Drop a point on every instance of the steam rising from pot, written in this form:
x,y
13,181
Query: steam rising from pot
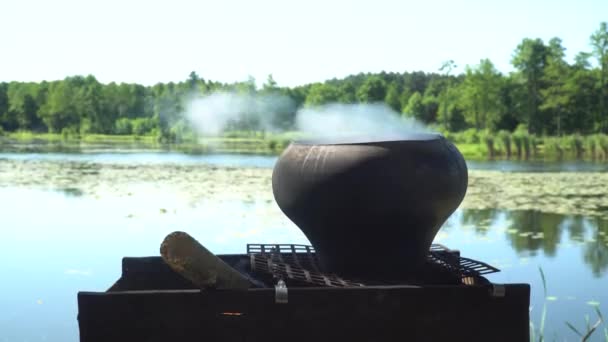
x,y
356,122
213,114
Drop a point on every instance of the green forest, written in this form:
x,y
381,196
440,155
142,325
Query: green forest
x,y
545,95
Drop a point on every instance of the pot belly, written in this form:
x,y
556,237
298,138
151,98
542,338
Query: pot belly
x,y
377,205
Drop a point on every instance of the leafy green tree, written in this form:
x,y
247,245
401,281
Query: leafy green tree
x,y
372,90
119,100
555,95
393,97
581,88
270,85
90,107
320,94
422,108
416,82
446,96
22,105
248,87
347,93
530,60
545,95
480,95
448,112
404,98
195,82
431,106
599,42
278,108
415,108
168,107
142,126
297,95
123,126
60,113
512,100
5,119
30,118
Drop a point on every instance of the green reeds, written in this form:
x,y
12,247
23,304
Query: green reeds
x,y
577,146
602,145
531,144
505,142
488,140
518,142
543,316
277,143
590,143
590,329
471,136
553,147
574,143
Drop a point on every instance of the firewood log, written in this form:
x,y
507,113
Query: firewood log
x,y
194,262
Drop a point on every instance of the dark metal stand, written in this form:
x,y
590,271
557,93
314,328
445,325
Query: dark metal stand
x,y
150,303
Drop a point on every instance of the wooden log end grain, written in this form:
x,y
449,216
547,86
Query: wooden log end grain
x,y
194,262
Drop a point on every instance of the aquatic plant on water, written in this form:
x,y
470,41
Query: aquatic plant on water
x,y
589,328
543,316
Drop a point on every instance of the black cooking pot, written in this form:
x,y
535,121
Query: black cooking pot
x,y
371,209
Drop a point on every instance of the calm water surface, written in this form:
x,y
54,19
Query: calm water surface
x,y
58,243
267,161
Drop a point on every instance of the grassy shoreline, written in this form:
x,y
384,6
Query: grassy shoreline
x,y
480,147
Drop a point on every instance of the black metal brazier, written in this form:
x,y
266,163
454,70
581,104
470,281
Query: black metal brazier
x,y
371,207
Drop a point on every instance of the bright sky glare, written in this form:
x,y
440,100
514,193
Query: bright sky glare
x,y
297,41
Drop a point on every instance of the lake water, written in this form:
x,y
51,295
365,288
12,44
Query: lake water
x,y
56,243
267,161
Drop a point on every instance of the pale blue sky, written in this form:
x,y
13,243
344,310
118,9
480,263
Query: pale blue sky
x,y
297,41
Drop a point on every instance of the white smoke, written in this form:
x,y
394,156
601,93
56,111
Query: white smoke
x,y
343,122
215,113
211,114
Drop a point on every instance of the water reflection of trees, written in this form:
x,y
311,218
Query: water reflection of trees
x,y
479,219
73,174
533,231
596,250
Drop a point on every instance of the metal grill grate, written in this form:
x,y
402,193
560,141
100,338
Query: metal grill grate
x,y
299,263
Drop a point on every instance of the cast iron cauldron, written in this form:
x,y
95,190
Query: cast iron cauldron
x,y
371,208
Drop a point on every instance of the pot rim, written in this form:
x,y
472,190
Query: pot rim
x,y
366,140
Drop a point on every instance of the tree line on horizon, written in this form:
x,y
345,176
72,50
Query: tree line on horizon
x,y
545,94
